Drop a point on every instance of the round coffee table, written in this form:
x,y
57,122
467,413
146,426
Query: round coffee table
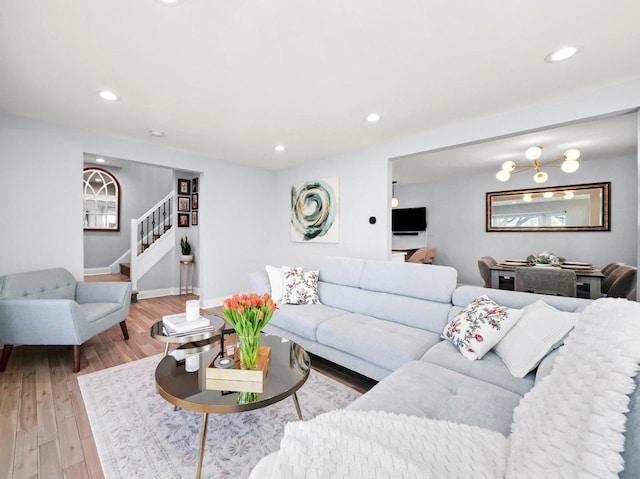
x,y
288,371
190,343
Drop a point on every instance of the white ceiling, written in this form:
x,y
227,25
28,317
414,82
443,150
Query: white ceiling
x,y
231,79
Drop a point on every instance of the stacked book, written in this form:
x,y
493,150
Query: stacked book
x,y
177,324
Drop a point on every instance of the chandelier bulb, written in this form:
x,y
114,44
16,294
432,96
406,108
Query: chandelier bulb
x,y
540,177
503,175
509,166
533,153
569,166
572,154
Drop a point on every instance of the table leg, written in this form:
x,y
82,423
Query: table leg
x,y
203,437
166,349
495,279
297,404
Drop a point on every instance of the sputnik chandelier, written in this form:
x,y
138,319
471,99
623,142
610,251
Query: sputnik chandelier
x,y
569,164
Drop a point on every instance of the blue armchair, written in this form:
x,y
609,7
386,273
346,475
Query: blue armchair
x,y
49,307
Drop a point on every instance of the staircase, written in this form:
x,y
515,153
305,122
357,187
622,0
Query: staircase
x,y
124,275
152,237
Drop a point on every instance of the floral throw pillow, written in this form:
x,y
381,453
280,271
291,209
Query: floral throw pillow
x,y
300,286
480,326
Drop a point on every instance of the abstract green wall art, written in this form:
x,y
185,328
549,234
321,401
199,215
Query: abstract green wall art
x,y
315,211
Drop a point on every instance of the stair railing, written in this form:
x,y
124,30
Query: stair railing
x,y
150,227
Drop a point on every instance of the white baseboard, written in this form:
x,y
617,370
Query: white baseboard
x,y
95,271
211,303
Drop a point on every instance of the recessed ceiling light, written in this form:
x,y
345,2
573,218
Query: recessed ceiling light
x,y
156,133
373,117
280,148
170,2
561,54
99,160
108,95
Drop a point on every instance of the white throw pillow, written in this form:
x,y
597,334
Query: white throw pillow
x,y
541,329
276,280
300,286
479,326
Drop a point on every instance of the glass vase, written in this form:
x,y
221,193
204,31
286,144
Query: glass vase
x,y
249,344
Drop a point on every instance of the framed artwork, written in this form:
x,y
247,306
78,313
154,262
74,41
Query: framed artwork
x,y
194,201
183,219
194,185
315,214
184,186
183,203
194,218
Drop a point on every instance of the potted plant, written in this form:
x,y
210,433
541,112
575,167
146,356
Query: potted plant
x,y
186,249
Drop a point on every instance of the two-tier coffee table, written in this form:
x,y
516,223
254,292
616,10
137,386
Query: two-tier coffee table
x,y
288,371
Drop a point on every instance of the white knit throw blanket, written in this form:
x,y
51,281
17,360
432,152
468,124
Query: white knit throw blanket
x,y
371,444
570,425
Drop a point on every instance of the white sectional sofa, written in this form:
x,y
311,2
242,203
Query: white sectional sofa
x,y
384,320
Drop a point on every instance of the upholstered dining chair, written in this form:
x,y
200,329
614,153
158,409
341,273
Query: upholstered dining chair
x,y
423,255
612,275
624,283
546,281
484,265
609,268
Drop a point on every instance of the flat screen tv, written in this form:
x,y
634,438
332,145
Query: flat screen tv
x,y
408,220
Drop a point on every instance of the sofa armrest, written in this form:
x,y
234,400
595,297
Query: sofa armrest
x,y
41,321
103,292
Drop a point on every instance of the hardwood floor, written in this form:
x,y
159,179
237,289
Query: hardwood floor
x,y
44,428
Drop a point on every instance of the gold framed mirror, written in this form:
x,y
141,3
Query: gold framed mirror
x,y
559,208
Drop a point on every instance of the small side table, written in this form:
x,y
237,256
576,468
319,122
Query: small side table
x,y
186,269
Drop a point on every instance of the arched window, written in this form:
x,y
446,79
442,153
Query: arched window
x,y
101,193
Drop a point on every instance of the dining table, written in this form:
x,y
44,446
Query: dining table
x,y
585,273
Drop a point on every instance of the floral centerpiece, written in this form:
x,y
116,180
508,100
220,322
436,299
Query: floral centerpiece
x,y
544,258
248,314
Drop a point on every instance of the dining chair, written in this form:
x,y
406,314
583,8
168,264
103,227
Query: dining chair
x,y
610,267
423,255
611,276
624,283
484,265
559,282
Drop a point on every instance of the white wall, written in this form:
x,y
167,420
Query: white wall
x,y
457,219
244,212
41,198
363,193
41,168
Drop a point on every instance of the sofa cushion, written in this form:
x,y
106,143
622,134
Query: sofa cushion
x,y
95,311
541,329
337,270
380,342
405,310
479,326
423,389
463,295
303,319
433,283
490,368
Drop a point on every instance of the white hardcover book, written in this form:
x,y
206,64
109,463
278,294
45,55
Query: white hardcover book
x,y
178,322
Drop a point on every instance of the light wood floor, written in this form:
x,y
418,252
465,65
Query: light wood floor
x,y
44,428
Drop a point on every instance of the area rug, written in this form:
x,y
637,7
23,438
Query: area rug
x,y
138,434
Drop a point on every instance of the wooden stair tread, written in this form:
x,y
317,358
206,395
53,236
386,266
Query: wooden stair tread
x,y
107,277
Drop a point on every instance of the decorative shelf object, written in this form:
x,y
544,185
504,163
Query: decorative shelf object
x,y
240,380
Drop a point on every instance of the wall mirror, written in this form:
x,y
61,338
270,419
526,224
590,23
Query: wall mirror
x,y
559,208
101,196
